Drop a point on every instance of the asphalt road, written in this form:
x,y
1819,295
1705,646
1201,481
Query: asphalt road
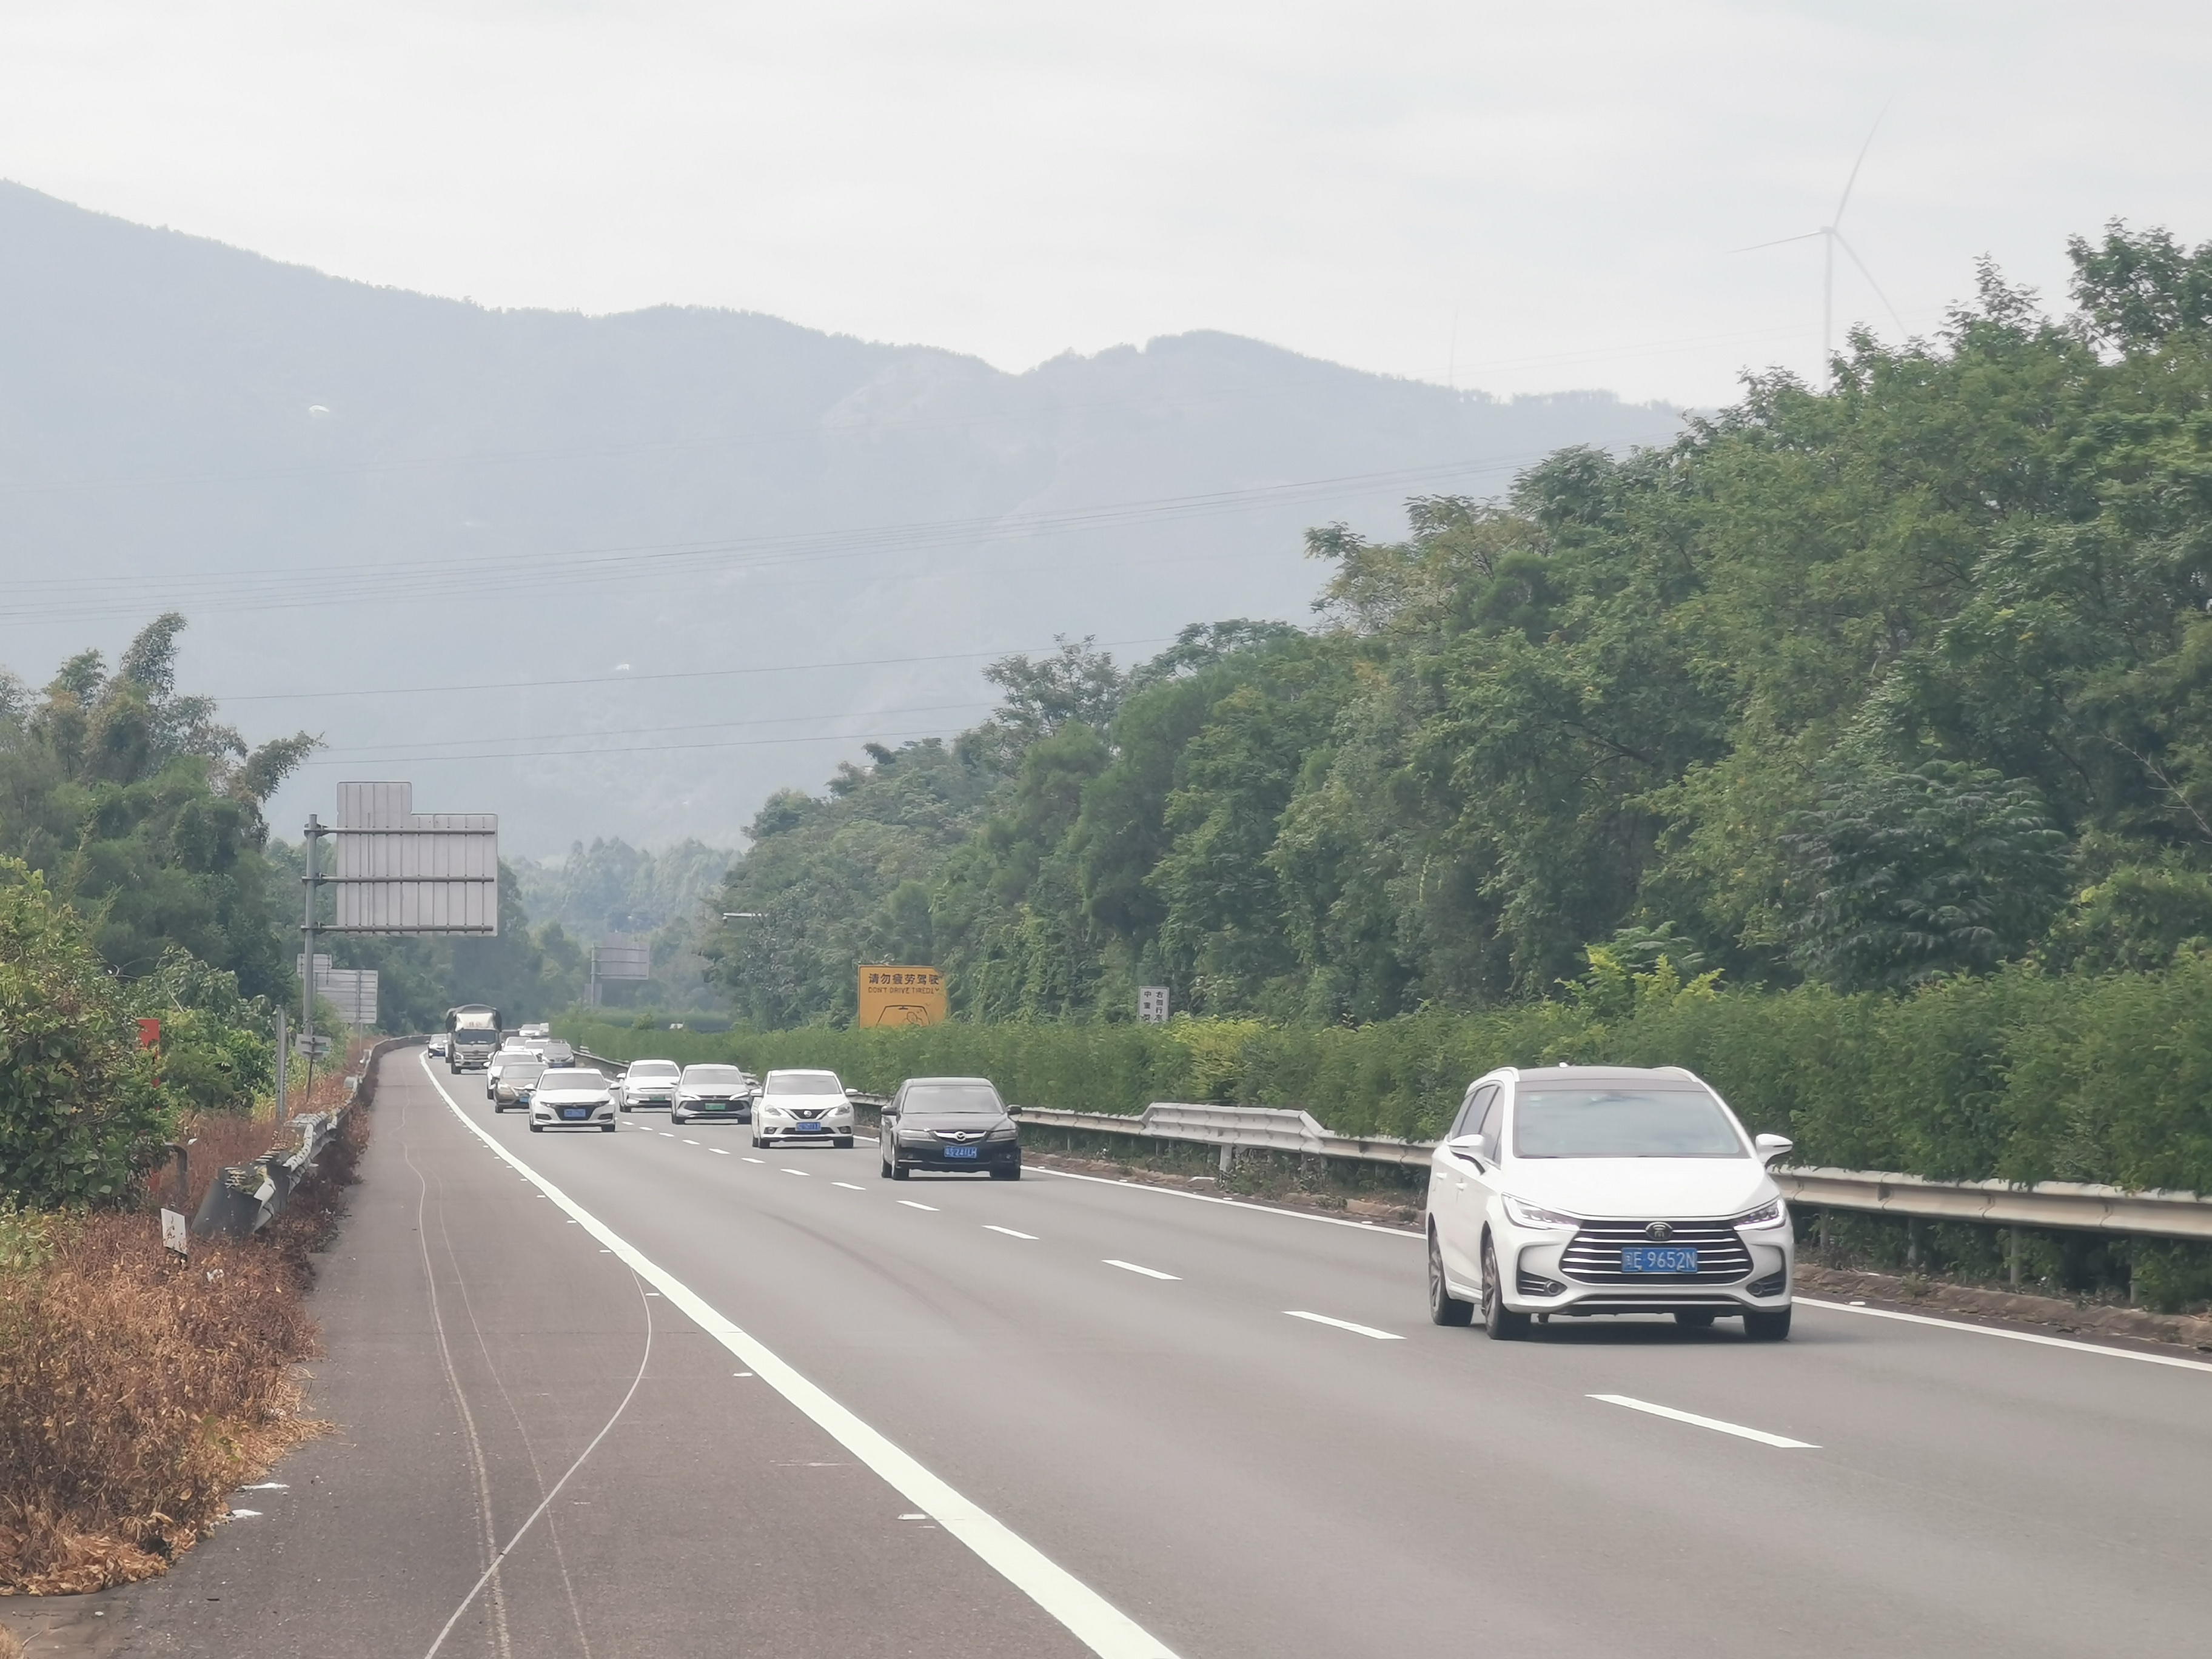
x,y
1065,1415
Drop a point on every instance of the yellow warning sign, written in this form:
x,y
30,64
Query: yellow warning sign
x,y
901,996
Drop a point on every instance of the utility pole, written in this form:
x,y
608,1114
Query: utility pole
x,y
314,834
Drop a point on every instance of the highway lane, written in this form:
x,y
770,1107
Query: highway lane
x,y
1241,1481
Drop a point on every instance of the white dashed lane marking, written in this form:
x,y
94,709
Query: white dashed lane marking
x,y
993,1227
1149,1273
911,1205
1713,1423
1346,1325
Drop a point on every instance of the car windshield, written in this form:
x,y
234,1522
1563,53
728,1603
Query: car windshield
x,y
1622,1122
653,1068
804,1083
715,1076
980,1098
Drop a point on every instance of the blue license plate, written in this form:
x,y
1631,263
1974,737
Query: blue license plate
x,y
962,1151
1658,1259
808,1128
576,1114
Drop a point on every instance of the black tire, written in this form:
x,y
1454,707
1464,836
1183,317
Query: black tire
x,y
882,1170
899,1172
1768,1327
535,1127
606,1128
625,1105
1444,1308
1695,1319
1006,1172
1501,1323
844,1143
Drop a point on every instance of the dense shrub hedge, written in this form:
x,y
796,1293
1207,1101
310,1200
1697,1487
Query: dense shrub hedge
x,y
2019,1074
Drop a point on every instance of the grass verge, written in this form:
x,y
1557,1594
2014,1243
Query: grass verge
x,y
138,1391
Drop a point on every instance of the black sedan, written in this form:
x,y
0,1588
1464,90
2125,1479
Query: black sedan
x,y
950,1124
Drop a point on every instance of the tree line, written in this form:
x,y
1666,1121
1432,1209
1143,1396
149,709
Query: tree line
x,y
1866,686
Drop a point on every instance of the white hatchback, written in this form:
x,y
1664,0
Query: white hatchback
x,y
1588,1189
795,1105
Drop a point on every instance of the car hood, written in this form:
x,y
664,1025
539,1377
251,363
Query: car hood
x,y
970,1121
1630,1187
804,1103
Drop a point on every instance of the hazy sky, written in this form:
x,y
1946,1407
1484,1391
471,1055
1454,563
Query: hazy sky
x,y
1522,196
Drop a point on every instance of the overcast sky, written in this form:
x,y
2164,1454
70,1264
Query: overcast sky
x,y
1519,197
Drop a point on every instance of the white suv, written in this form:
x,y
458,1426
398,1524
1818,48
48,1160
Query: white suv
x,y
1595,1189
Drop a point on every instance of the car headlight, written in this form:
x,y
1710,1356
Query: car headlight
x,y
1004,1132
1766,1215
1525,1214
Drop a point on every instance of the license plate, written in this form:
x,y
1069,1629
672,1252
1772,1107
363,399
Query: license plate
x,y
576,1114
808,1128
1658,1259
715,1105
962,1151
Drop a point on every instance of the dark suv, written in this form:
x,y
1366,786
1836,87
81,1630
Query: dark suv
x,y
950,1124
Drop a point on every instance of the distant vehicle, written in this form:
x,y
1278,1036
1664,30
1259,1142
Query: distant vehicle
x,y
802,1106
472,1032
498,1062
531,1033
573,1096
648,1083
1603,1189
517,1077
950,1123
712,1091
556,1052
437,1046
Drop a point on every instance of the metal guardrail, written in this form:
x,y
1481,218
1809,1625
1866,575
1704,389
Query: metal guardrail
x,y
245,1197
2076,1207
2072,1205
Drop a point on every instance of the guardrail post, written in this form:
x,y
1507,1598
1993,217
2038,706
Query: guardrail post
x,y
1227,1157
2012,1256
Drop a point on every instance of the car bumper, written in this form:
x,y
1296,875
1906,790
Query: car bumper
x,y
555,1117
985,1156
737,1111
769,1130
1536,1282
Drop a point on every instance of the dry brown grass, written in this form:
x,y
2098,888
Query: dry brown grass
x,y
11,1645
136,1392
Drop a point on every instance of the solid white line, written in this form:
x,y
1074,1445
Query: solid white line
x,y
1131,1268
848,1186
911,1205
1346,1325
1713,1423
2012,1336
1092,1619
993,1227
1233,1203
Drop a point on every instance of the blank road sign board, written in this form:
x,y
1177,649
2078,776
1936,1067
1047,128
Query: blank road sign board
x,y
403,871
621,961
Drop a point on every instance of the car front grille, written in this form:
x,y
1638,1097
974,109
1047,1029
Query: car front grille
x,y
807,1113
1593,1257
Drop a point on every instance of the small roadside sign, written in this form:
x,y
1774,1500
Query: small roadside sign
x,y
1152,1004
174,1235
318,1046
895,994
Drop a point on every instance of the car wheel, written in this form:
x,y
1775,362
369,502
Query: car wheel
x,y
899,1172
1444,1308
606,1128
1009,1172
1695,1319
1502,1324
625,1105
535,1127
1768,1327
844,1143
884,1169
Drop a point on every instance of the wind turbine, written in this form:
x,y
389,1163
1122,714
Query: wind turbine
x,y
1832,237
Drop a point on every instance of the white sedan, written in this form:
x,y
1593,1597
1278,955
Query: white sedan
x,y
571,1097
796,1105
1586,1189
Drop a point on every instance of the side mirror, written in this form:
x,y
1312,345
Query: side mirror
x,y
1012,1111
1770,1147
1472,1148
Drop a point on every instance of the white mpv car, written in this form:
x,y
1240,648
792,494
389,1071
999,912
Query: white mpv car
x,y
1599,1190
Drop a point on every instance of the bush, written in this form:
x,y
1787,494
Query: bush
x,y
81,1115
